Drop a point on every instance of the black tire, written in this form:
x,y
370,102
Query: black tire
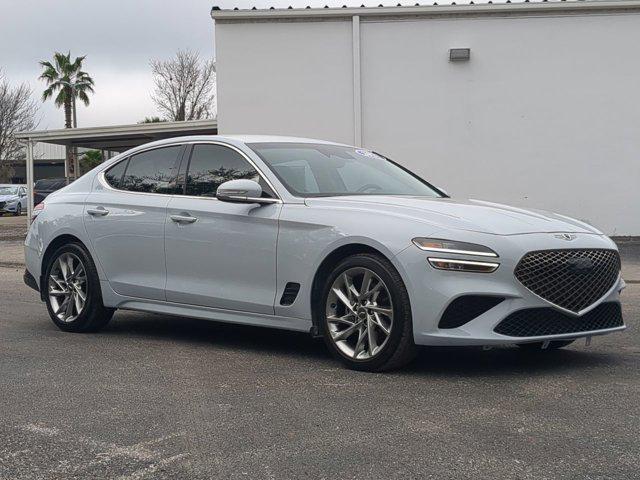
x,y
399,348
537,346
94,315
18,211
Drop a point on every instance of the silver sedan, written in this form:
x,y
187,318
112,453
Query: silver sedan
x,y
321,237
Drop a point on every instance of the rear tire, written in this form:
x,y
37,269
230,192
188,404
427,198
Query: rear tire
x,y
537,346
368,324
72,292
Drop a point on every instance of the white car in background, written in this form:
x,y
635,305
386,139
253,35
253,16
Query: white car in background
x,y
315,236
13,199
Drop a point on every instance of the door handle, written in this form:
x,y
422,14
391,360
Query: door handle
x,y
98,212
183,218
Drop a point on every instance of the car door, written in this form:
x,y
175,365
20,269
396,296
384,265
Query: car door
x,y
220,254
125,218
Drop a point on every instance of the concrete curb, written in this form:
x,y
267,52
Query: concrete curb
x,y
13,238
16,265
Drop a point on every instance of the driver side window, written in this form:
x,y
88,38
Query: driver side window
x,y
211,165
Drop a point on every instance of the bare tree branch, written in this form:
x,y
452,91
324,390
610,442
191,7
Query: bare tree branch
x,y
184,86
18,113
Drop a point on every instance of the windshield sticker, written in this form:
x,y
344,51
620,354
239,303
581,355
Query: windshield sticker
x,y
367,153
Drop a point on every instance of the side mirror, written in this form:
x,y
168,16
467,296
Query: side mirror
x,y
242,191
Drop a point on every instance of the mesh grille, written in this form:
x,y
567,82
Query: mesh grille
x,y
2,204
534,322
571,279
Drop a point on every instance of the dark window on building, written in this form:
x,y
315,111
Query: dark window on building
x,y
212,165
153,171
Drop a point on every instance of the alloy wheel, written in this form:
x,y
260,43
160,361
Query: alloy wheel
x,y
67,287
359,313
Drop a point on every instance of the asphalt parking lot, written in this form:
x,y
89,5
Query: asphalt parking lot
x,y
162,397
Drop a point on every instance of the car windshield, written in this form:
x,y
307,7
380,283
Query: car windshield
x,y
8,190
319,170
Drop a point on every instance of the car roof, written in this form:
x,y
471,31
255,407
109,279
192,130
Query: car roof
x,y
237,139
271,139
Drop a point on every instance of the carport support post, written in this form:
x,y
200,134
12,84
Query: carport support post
x,y
29,180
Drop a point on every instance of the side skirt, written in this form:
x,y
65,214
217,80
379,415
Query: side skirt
x,y
112,299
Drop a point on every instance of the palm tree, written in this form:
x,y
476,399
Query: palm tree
x,y
67,78
90,159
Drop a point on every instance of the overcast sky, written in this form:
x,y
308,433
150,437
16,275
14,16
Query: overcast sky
x,y
119,37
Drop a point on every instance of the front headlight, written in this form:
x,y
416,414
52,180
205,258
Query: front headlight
x,y
463,265
450,246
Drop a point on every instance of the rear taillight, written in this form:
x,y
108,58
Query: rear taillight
x,y
36,210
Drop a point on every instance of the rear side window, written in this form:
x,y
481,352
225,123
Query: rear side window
x,y
153,171
212,165
115,173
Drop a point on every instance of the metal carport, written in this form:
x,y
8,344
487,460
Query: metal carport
x,y
116,138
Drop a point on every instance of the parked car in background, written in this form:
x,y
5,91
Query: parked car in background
x,y
315,236
13,199
43,188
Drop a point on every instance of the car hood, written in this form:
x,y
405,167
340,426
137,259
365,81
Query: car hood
x,y
8,198
471,215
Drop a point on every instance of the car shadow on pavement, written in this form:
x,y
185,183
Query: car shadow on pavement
x,y
432,361
507,361
218,334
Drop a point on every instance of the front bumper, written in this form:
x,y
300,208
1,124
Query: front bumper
x,y
9,208
30,281
431,291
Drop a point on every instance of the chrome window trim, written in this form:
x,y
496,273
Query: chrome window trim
x,y
104,183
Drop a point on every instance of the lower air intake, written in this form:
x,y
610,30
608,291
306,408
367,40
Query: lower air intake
x,y
464,309
536,322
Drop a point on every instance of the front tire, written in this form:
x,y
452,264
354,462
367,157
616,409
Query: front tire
x,y
72,291
18,211
366,319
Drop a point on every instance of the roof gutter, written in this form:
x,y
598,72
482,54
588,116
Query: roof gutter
x,y
544,7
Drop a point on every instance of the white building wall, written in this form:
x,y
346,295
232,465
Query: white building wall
x,y
290,78
546,114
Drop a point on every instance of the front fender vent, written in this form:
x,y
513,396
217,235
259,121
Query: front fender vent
x,y
290,293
